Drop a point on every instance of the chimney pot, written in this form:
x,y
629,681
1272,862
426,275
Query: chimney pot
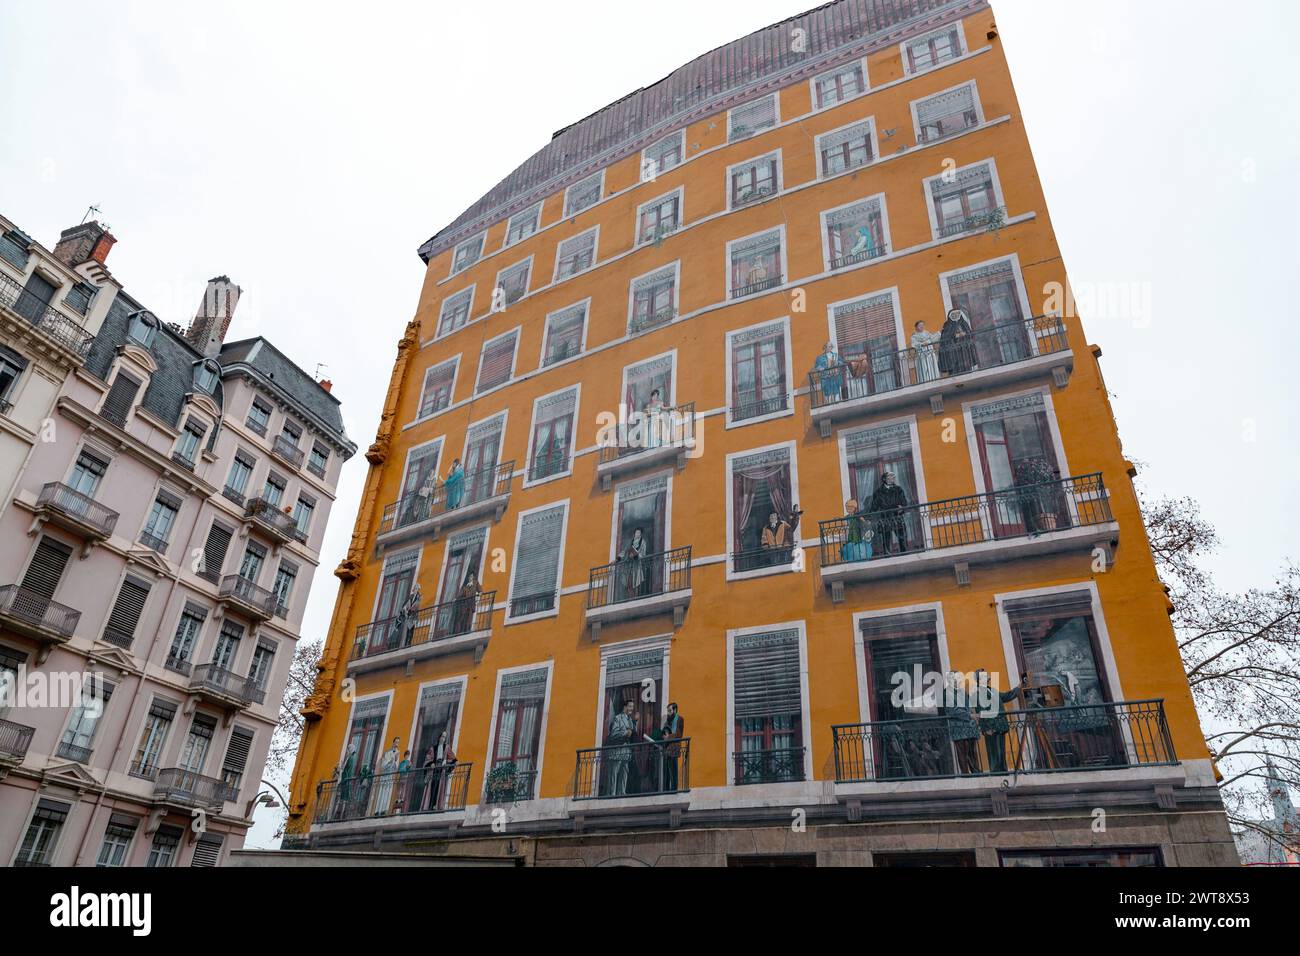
x,y
82,243
208,329
327,385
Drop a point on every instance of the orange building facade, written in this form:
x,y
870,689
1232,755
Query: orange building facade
x,y
758,393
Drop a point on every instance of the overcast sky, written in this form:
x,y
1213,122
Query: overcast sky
x,y
307,149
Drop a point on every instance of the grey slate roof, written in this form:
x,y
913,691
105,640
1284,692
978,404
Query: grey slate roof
x,y
176,360
718,79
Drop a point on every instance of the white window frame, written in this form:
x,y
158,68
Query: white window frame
x,y
999,200
442,312
680,194
842,441
751,104
680,136
535,212
676,266
860,651
780,176
486,528
576,388
873,139
527,264
797,546
884,228
347,726
785,266
549,666
569,212
585,305
891,291
637,645
915,106
504,415
789,376
972,441
842,68
666,473
1016,272
559,566
594,232
440,441
963,48
805,724
481,239
424,385
463,682
514,357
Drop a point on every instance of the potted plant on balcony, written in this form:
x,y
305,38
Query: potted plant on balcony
x,y
502,783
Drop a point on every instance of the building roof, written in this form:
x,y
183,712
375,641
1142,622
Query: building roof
x,y
721,78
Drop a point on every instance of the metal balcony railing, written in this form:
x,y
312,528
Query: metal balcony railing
x,y
1017,512
153,542
56,496
218,680
507,782
284,448
783,765
875,252
15,739
631,579
419,506
233,494
37,611
753,288
70,751
666,428
274,519
548,463
752,194
650,320
67,332
236,588
422,790
1037,740
633,770
993,219
433,623
756,407
753,559
886,370
532,603
948,125
178,785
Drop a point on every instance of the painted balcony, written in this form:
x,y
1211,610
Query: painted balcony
x,y
1064,515
385,795
224,688
508,782
1041,740
781,765
634,770
74,512
431,511
36,616
185,789
448,628
59,331
993,358
246,598
14,741
632,588
271,521
646,441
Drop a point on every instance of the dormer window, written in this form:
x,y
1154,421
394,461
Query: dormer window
x,y
205,377
142,328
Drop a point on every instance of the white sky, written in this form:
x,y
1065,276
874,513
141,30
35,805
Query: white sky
x,y
307,149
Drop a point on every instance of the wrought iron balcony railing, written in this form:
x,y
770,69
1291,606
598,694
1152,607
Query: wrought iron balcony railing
x,y
191,789
153,542
403,793
14,740
532,603
1022,511
234,494
284,448
1037,740
251,596
275,520
650,320
437,622
181,665
783,765
477,486
754,559
633,770
553,461
81,508
757,407
993,219
875,252
934,131
70,751
67,332
632,579
509,783
886,371
27,607
752,194
645,431
214,679
753,288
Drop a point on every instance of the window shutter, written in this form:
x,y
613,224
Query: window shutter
x,y
944,105
634,668
162,709
767,674
749,119
863,321
214,550
120,398
236,760
1028,610
494,365
538,560
124,617
207,849
124,821
47,566
524,685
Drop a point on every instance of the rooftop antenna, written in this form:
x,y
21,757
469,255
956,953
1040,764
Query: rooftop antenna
x,y
319,366
93,209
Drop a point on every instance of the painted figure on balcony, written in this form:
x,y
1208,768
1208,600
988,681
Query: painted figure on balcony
x,y
956,348
407,616
995,727
652,419
864,243
674,729
778,536
963,724
857,534
403,781
831,379
438,761
455,485
888,506
462,620
631,565
925,353
346,773
622,730
385,787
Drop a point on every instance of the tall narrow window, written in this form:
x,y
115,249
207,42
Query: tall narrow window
x,y
227,647
259,416
186,636
868,328
897,648
751,118
241,470
285,576
42,577
764,529
303,509
194,752
259,671
575,254
214,551
116,844
552,440
759,381
462,564
564,334
250,568
654,299
436,394
870,454
187,445
318,460
990,296
37,848
236,759
467,253
640,506
847,148
756,264
517,748
767,695
1016,451
127,610
636,678
79,736
162,515
537,562
398,577
659,218
497,361
158,723
455,311
364,737
11,369
87,473
482,454
121,397
435,730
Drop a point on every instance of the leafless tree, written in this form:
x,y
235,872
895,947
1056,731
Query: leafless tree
x,y
288,731
1242,656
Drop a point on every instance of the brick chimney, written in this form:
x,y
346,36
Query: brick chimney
x,y
208,329
326,384
83,243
